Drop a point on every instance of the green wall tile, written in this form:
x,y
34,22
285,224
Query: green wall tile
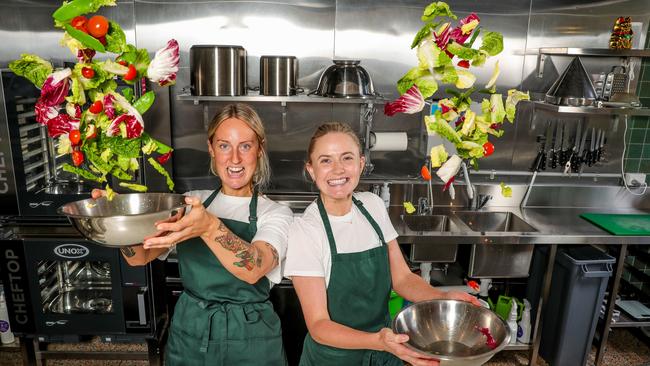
x,y
634,151
637,136
632,165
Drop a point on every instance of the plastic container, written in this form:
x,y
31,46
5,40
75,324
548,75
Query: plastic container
x,y
523,329
395,304
512,322
580,278
6,336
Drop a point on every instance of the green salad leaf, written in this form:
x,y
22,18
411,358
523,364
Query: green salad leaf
x,y
33,68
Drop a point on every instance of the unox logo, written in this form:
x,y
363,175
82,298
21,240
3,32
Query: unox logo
x,y
71,251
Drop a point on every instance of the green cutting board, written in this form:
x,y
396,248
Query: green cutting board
x,y
635,225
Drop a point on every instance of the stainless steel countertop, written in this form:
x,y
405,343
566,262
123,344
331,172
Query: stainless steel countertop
x,y
554,226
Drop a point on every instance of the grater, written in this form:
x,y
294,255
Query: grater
x,y
615,82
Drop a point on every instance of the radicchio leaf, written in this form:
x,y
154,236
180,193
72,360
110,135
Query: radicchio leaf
x,y
410,102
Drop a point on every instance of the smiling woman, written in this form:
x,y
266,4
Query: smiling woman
x,y
230,246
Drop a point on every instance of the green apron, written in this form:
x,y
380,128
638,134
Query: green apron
x,y
220,319
357,296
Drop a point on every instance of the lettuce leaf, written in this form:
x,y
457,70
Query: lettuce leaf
x,y
436,124
430,55
423,33
436,9
78,95
506,191
408,207
159,168
427,85
33,68
134,187
514,97
438,155
407,81
115,38
461,51
492,43
82,173
465,79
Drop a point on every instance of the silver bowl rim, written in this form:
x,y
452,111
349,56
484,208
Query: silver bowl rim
x,y
500,347
60,211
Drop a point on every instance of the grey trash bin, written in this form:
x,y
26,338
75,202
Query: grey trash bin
x,y
579,281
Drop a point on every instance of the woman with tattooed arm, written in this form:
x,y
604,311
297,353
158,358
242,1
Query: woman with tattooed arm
x,y
230,246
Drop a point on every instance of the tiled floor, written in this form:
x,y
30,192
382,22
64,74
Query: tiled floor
x,y
624,349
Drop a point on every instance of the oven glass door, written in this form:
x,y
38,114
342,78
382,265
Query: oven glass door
x,y
75,287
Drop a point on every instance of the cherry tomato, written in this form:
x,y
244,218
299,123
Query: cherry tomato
x,y
131,74
97,26
77,157
79,22
75,137
426,175
123,63
463,63
96,107
488,148
162,159
88,72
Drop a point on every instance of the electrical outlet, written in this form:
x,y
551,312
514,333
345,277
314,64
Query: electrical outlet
x,y
635,179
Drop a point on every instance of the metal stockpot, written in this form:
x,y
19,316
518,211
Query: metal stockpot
x,y
218,70
278,75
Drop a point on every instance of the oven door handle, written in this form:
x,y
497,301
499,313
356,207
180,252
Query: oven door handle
x,y
142,311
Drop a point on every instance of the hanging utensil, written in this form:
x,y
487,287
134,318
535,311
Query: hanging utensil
x,y
575,158
540,160
557,148
564,145
581,151
592,145
601,145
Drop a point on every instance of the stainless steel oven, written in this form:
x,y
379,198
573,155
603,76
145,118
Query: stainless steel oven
x,y
59,287
32,181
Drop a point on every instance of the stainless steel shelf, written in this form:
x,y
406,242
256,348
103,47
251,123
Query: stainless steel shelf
x,y
518,347
302,98
626,321
603,52
593,110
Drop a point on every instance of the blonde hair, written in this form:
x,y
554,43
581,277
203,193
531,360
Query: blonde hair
x,y
331,127
246,114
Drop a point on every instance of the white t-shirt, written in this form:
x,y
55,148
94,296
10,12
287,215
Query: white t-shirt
x,y
273,221
309,251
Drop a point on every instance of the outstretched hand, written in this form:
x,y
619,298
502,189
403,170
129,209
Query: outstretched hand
x,y
195,224
392,343
462,296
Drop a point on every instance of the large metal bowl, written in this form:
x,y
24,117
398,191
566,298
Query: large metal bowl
x,y
345,79
452,331
127,219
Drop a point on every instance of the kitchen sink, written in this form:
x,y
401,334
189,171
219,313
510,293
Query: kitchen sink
x,y
494,221
438,223
425,249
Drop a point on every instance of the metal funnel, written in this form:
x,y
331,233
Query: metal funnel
x,y
573,87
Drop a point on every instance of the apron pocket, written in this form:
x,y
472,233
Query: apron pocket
x,y
255,351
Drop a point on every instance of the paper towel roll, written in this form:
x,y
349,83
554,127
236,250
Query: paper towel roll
x,y
388,141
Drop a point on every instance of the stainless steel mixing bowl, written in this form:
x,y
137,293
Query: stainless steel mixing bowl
x,y
345,79
127,219
452,331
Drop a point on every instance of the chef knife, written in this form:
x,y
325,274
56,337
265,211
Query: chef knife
x,y
540,159
575,158
557,142
565,144
592,144
594,157
601,145
547,145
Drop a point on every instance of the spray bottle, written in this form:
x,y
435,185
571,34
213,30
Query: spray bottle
x,y
523,332
6,336
512,322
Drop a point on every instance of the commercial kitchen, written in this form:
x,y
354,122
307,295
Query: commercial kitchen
x,y
555,220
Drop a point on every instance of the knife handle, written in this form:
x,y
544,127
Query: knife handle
x,y
554,159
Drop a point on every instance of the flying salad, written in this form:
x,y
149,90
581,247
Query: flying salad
x,y
446,54
98,124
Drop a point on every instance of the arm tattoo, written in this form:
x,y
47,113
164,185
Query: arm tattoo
x,y
249,256
276,257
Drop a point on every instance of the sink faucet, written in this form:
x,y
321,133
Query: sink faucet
x,y
476,201
423,206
